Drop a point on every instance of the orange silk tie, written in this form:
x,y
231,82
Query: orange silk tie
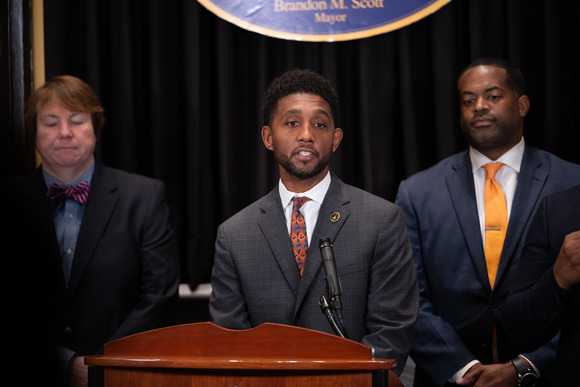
x,y
495,220
298,235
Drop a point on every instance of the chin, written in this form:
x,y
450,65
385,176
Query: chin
x,y
484,139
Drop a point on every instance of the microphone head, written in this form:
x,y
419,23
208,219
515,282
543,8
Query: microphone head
x,y
324,242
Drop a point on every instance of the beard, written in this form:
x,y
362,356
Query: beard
x,y
484,138
301,170
497,136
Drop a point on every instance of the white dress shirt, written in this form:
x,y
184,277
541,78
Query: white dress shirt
x,y
309,209
507,177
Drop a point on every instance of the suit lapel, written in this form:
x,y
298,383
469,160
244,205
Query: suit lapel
x,y
531,180
462,191
334,203
273,225
103,199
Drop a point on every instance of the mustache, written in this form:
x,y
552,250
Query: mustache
x,y
483,116
304,149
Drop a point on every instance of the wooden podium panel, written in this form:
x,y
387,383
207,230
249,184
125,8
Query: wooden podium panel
x,y
144,377
204,354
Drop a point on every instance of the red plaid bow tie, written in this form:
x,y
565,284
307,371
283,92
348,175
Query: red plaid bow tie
x,y
56,193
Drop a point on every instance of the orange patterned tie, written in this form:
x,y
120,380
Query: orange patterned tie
x,y
298,234
495,220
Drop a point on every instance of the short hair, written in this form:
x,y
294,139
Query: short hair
x,y
299,81
514,77
72,93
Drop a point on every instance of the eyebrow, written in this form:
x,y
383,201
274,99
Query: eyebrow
x,y
73,114
297,111
486,90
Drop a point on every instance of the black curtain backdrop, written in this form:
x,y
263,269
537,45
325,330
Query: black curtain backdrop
x,y
182,94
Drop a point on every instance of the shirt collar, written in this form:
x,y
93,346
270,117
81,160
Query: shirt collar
x,y
512,158
86,176
316,193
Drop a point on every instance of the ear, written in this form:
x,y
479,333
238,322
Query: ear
x,y
337,138
523,105
267,137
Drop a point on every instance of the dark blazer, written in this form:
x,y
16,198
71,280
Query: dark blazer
x,y
536,307
255,278
125,272
458,307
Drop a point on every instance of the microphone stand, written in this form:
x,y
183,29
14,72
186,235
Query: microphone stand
x,y
328,311
331,305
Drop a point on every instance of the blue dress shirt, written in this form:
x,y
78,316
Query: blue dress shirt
x,y
67,218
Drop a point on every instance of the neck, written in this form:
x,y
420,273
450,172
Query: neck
x,y
494,153
298,185
68,175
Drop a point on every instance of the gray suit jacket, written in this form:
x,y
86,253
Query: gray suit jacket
x,y
255,278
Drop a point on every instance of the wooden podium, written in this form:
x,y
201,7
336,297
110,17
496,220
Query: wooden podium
x,y
204,354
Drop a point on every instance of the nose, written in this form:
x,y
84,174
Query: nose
x,y
481,104
306,132
65,130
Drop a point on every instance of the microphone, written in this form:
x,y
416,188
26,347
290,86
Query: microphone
x,y
332,281
327,310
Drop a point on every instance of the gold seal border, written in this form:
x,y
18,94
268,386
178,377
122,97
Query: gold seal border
x,y
412,18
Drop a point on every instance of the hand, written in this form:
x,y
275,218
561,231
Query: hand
x,y
78,372
501,375
567,266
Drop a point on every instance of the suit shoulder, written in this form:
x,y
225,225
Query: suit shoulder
x,y
252,210
436,172
365,202
130,187
552,162
360,195
124,178
560,174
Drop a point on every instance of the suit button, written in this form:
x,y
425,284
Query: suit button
x,y
68,330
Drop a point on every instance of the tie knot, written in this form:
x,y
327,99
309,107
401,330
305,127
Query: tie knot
x,y
491,169
298,201
57,193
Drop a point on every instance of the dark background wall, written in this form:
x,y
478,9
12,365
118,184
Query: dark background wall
x,y
182,92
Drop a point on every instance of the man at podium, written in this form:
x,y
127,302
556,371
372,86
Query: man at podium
x,y
268,263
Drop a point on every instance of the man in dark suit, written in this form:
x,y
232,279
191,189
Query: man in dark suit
x,y
544,296
95,245
458,336
256,277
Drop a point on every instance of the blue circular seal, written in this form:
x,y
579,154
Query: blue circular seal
x,y
322,20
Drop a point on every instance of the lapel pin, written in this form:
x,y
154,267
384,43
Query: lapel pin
x,y
334,217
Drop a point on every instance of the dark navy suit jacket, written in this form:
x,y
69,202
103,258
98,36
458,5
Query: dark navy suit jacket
x,y
536,308
125,272
457,305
